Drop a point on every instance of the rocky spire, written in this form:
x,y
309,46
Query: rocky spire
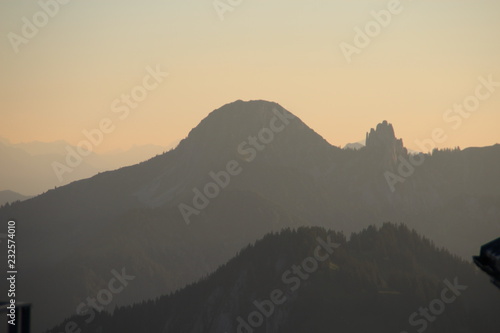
x,y
383,141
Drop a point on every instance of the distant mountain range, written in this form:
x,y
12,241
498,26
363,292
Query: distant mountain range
x,y
355,145
28,167
10,196
313,280
247,169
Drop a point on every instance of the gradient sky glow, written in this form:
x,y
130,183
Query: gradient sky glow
x,y
287,51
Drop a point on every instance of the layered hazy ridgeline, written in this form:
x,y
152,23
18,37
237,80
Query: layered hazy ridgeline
x,y
232,166
135,218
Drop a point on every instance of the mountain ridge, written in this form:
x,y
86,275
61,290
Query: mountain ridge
x,y
298,179
355,276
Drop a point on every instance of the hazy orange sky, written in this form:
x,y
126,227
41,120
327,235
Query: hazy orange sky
x,y
65,78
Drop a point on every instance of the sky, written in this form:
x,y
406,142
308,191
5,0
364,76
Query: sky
x,y
427,56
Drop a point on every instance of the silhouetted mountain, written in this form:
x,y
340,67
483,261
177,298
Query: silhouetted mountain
x,y
28,167
382,280
23,172
354,145
11,196
382,141
283,175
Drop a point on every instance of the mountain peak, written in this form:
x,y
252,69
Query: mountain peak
x,y
250,108
383,140
233,123
382,134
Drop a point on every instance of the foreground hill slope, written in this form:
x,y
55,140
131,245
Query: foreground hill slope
x,y
374,282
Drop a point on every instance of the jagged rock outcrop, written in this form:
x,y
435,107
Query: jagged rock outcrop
x,y
382,142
